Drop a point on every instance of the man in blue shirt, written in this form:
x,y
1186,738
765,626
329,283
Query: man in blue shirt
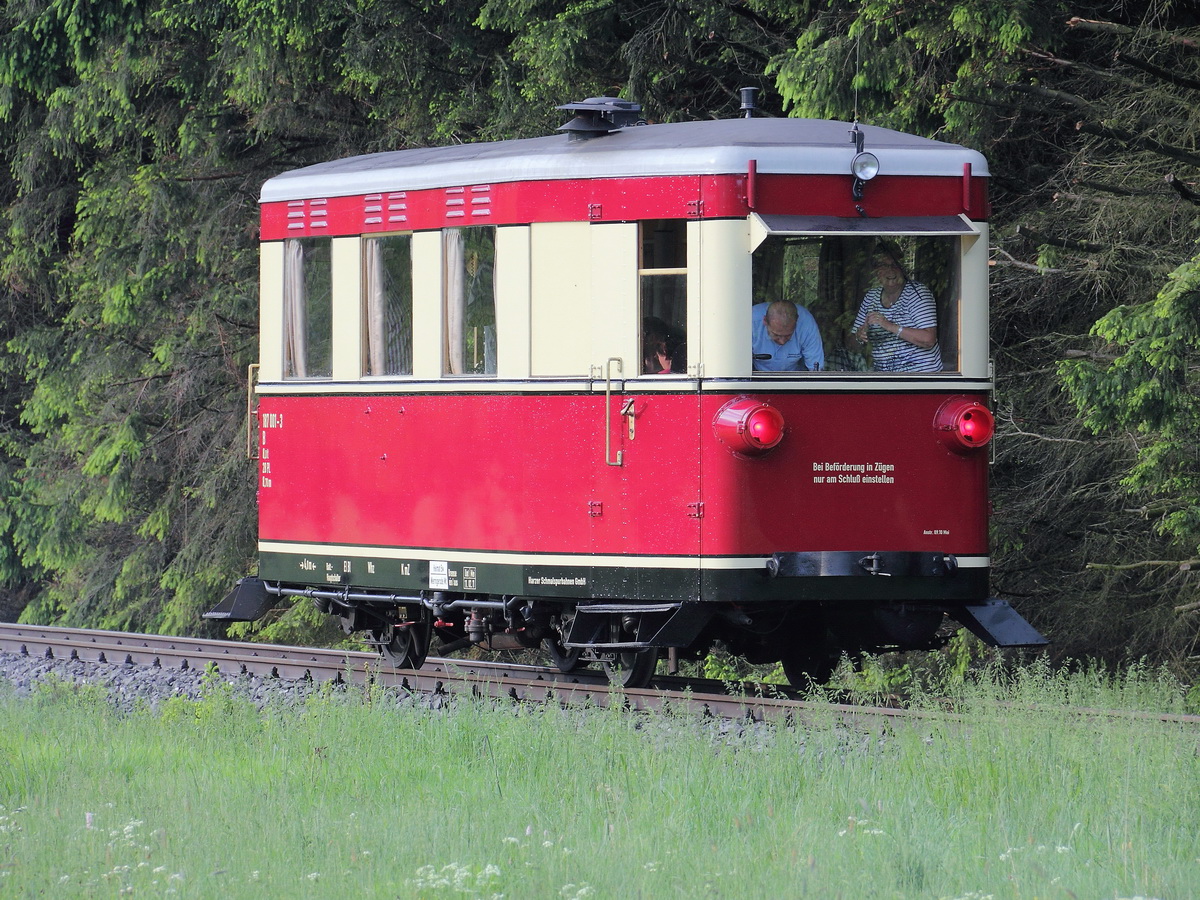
x,y
785,337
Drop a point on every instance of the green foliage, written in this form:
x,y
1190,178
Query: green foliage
x,y
914,67
134,136
219,709
1151,386
680,61
56,692
876,680
297,624
959,654
47,42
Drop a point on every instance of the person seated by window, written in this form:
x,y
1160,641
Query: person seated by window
x,y
663,349
784,337
899,319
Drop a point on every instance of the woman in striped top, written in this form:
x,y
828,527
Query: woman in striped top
x,y
899,319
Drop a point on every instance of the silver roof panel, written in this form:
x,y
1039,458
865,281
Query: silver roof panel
x,y
717,147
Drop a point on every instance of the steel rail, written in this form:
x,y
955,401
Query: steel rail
x,y
479,678
519,683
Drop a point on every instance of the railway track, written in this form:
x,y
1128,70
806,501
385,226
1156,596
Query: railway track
x,y
445,676
480,678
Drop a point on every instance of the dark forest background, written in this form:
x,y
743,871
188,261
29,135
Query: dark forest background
x,y
135,135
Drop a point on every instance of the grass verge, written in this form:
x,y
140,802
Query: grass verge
x,y
1008,796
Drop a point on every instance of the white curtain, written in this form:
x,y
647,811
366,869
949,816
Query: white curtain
x,y
376,309
295,351
456,300
489,331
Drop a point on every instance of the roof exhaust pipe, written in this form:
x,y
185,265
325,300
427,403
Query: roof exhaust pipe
x,y
749,101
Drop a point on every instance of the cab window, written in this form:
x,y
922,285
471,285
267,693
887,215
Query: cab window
x,y
859,292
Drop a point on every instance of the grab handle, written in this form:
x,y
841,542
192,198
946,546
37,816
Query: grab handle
x,y
608,367
251,436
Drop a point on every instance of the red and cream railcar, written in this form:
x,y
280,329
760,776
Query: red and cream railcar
x,y
507,395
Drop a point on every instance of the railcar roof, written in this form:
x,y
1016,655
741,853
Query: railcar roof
x,y
717,147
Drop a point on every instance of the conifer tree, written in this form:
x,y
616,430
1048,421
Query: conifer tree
x,y
1087,113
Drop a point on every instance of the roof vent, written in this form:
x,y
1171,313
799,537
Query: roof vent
x,y
598,116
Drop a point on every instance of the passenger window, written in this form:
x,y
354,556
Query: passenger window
x,y
387,305
662,277
307,308
860,291
470,301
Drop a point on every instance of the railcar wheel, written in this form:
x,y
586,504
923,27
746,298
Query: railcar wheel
x,y
805,667
910,628
562,658
405,648
632,668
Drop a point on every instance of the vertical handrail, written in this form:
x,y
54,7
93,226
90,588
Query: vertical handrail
x,y
251,381
620,460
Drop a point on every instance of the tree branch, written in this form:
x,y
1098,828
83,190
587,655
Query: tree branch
x,y
1090,354
1113,189
1065,243
1139,142
1182,189
1184,565
1011,260
1164,74
1012,422
218,176
1087,68
1078,24
1075,23
1048,94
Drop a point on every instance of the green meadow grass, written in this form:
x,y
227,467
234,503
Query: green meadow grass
x,y
346,796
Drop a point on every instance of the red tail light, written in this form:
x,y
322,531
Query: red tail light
x,y
749,427
962,424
